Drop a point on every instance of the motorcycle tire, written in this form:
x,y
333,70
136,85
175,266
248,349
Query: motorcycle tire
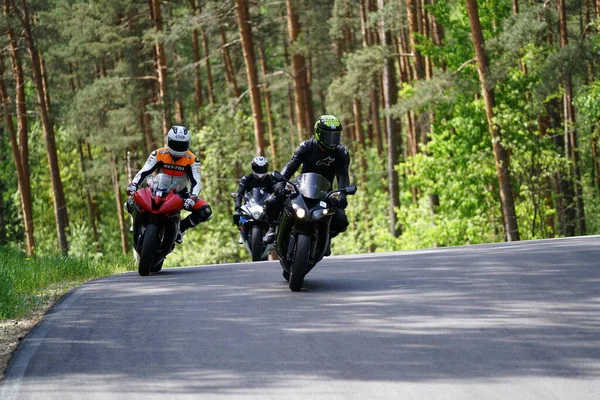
x,y
148,250
256,243
299,266
157,267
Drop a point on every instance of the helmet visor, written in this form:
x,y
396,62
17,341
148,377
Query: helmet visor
x,y
177,145
330,139
259,169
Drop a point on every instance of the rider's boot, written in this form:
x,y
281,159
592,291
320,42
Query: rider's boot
x,y
270,235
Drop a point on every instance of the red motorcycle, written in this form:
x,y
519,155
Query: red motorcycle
x,y
155,211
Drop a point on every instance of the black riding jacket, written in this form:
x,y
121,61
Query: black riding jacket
x,y
249,182
314,158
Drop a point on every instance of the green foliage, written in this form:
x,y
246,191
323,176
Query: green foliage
x,y
102,80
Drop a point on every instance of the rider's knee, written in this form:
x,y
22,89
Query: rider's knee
x,y
205,213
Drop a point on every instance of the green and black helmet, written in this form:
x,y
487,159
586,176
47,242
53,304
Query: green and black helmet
x,y
328,131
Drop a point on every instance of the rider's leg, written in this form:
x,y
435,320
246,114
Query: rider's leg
x,y
273,207
339,224
200,213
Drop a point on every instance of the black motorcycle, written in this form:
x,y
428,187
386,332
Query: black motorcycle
x,y
253,223
304,225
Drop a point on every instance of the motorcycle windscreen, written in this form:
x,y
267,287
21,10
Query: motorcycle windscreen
x,y
313,186
165,183
256,196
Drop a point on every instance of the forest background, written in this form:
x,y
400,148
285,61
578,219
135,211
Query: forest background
x,y
467,121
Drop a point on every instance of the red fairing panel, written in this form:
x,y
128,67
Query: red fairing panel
x,y
143,198
169,205
172,204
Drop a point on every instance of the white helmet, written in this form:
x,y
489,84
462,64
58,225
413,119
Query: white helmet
x,y
260,166
178,141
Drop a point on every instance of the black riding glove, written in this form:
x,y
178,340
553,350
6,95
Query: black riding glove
x,y
342,201
279,189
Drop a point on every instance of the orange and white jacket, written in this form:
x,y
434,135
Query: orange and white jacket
x,y
161,160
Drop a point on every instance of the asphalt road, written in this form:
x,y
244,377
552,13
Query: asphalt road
x,y
504,321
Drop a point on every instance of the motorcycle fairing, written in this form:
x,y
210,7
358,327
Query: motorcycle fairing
x,y
148,202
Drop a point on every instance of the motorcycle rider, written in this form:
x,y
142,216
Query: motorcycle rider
x,y
259,178
177,161
324,155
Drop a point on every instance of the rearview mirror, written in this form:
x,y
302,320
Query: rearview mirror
x,y
350,189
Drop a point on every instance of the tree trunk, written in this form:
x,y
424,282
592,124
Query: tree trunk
x,y
570,131
290,97
413,11
268,106
501,155
197,78
161,69
24,185
20,101
119,201
209,79
298,73
426,32
229,72
390,95
179,108
88,195
148,137
60,206
374,123
243,18
437,35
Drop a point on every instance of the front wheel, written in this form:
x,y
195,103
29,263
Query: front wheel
x,y
300,264
256,243
148,250
157,267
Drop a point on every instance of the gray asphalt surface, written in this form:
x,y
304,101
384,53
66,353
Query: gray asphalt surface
x,y
504,321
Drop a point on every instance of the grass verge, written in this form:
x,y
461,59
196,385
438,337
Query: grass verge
x,y
27,283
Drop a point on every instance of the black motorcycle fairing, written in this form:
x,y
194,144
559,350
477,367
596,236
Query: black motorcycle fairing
x,y
290,226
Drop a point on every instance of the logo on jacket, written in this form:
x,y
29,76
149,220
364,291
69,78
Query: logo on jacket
x,y
175,167
326,161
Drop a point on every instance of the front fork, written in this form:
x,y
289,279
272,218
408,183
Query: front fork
x,y
167,234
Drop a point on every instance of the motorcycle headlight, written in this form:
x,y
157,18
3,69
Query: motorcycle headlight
x,y
320,213
256,211
301,213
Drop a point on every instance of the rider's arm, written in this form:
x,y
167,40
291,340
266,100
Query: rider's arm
x,y
341,172
300,155
150,166
241,190
269,183
195,179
